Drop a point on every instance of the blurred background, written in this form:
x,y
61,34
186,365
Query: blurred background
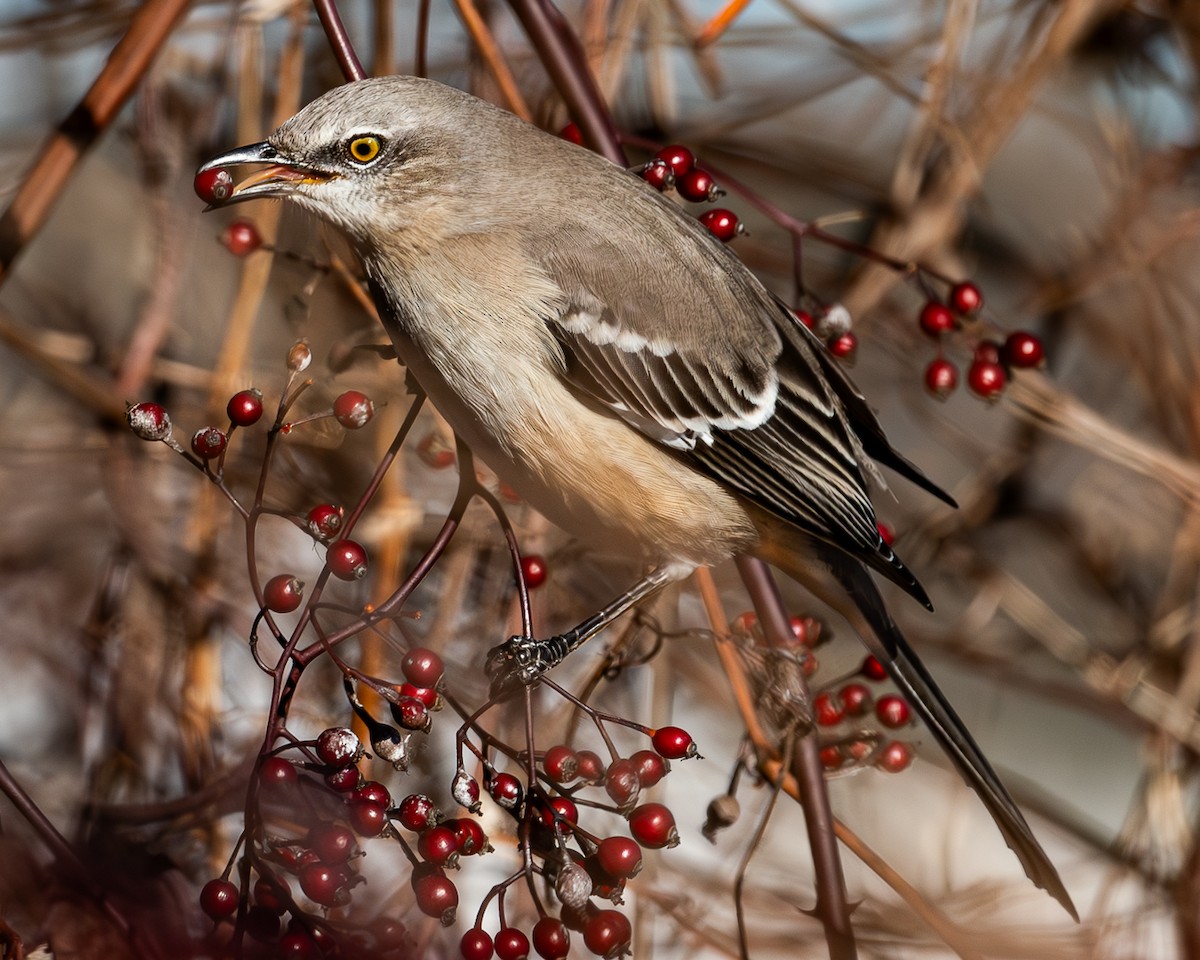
x,y
1045,151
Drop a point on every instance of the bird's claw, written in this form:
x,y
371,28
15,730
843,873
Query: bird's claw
x,y
521,661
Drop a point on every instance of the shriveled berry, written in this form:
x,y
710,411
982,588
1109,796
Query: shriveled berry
x,y
324,520
965,298
367,816
722,224
621,783
475,945
895,756
855,699
827,711
653,826
245,407
332,842
347,559
422,667
674,743
353,409
411,714
620,857
651,767
417,812
219,898
213,186
465,791
436,897
438,845
534,570
893,711
241,238
936,319
986,379
339,747
872,669
941,378
299,356
276,773
608,934
149,421
1023,350
506,790
723,811
844,346
698,186
561,764
511,944
678,157
283,593
551,939
321,883
658,174
573,885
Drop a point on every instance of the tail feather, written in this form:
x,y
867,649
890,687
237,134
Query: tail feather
x,y
823,569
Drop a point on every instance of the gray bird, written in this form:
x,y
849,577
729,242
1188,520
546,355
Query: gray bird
x,y
612,362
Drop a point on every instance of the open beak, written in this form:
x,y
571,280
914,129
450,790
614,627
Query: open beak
x,y
278,178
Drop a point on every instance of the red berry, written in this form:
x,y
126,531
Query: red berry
x,y
219,899
894,757
572,133
937,319
268,894
241,238
562,810
435,451
245,407
1023,350
591,767
650,766
342,780
283,593
213,186
368,817
608,934
511,944
831,758
390,935
469,835
417,812
262,924
801,632
621,783
561,764
658,174
436,897
322,884
551,939
339,747
966,298
324,521
372,791
805,317
208,443
986,379
827,711
438,845
297,945
872,669
679,158
347,559
353,409
422,667
427,695
987,351
411,714
332,842
674,743
619,857
653,825
533,569
698,186
275,772
893,711
506,790
855,699
721,223
149,421
844,346
941,378
475,945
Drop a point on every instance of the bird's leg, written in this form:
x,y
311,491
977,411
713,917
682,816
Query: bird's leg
x,y
521,660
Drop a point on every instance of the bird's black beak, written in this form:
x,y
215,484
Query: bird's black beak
x,y
278,179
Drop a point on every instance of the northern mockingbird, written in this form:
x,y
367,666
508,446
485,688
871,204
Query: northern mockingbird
x,y
613,363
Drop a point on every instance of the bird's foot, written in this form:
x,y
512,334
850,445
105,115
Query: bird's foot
x,y
520,661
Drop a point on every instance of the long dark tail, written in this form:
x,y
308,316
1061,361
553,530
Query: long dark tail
x,y
822,569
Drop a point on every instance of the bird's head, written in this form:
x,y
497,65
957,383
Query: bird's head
x,y
378,156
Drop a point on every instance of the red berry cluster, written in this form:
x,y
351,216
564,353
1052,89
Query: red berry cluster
x,y
675,167
991,363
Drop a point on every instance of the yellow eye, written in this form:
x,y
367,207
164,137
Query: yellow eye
x,y
364,149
